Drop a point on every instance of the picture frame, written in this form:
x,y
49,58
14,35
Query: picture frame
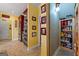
x,y
5,16
43,20
10,27
43,8
15,23
33,27
34,34
43,31
33,18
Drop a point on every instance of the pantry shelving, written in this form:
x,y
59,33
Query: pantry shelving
x,y
66,33
24,34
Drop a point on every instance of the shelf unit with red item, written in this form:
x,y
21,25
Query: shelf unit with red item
x,y
66,33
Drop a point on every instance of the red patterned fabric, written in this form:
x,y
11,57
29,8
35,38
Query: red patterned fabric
x,y
64,23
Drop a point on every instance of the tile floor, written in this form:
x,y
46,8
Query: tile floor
x,y
63,52
17,48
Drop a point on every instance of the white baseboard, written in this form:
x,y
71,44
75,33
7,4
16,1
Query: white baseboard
x,y
57,50
28,49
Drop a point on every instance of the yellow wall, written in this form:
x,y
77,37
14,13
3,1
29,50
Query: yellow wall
x,y
13,34
45,38
32,11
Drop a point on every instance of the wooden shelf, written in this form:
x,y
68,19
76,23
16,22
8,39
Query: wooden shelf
x,y
66,33
66,37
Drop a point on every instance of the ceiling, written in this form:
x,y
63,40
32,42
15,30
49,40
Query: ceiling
x,y
14,8
66,9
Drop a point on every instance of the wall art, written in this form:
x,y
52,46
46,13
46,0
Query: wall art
x,y
33,27
43,8
43,31
34,34
10,27
43,20
15,23
33,18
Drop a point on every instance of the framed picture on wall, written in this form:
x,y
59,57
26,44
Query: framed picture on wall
x,y
33,27
43,20
43,8
5,16
33,34
15,23
43,31
33,18
10,27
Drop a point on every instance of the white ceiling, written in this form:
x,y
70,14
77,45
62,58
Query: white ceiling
x,y
66,9
13,8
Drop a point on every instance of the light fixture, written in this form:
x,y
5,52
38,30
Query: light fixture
x,y
57,4
57,9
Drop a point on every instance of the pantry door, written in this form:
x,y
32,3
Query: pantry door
x,y
4,29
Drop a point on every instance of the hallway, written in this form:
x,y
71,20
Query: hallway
x,y
39,29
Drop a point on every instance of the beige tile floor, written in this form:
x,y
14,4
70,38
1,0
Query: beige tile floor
x,y
63,52
17,48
